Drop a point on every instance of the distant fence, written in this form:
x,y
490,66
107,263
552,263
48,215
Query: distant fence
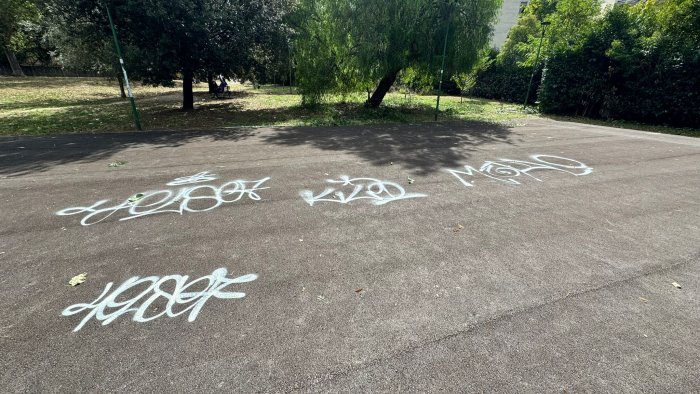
x,y
51,71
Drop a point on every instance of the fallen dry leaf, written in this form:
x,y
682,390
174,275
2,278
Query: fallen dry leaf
x,y
117,163
78,279
136,197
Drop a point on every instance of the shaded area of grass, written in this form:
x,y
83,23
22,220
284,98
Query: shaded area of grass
x,y
40,106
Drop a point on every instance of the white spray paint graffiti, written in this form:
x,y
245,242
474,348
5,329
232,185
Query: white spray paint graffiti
x,y
107,308
204,176
505,170
177,201
380,192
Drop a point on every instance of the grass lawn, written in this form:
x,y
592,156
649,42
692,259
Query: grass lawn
x,y
622,124
38,106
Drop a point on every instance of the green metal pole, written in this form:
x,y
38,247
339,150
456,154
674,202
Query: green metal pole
x,y
442,70
537,62
290,68
137,119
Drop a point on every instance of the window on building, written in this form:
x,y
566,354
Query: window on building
x,y
523,4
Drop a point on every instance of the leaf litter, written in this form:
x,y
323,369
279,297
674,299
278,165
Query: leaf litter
x,y
78,279
117,163
136,197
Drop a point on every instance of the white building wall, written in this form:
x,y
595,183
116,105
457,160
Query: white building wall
x,y
509,16
506,19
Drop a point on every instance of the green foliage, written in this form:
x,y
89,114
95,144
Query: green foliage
x,y
464,81
165,40
571,83
75,105
79,43
502,78
515,49
640,63
412,80
347,45
506,76
14,14
571,20
637,63
321,53
29,41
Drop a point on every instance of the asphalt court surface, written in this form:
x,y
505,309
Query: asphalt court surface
x,y
450,257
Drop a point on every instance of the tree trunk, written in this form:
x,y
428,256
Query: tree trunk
x,y
121,85
187,95
211,83
382,88
254,80
14,64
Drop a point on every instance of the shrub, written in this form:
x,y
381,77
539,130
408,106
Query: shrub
x,y
504,80
640,63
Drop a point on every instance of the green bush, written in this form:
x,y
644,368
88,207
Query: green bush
x,y
641,63
574,80
506,75
504,80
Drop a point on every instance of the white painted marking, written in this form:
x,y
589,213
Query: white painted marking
x,y
106,308
174,201
379,192
204,176
506,170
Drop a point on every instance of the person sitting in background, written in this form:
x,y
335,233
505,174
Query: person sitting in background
x,y
222,87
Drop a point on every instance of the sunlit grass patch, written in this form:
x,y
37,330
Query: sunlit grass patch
x,y
35,106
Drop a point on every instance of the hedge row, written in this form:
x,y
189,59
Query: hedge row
x,y
638,63
627,71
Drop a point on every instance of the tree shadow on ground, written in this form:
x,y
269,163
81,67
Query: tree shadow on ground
x,y
231,94
423,148
26,155
47,82
61,103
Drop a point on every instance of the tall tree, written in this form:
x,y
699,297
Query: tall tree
x,y
14,14
507,75
164,40
349,43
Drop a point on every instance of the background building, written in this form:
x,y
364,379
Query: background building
x,y
506,19
509,16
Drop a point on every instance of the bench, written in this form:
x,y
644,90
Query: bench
x,y
218,93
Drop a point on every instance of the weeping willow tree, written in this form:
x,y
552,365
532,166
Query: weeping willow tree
x,y
352,45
